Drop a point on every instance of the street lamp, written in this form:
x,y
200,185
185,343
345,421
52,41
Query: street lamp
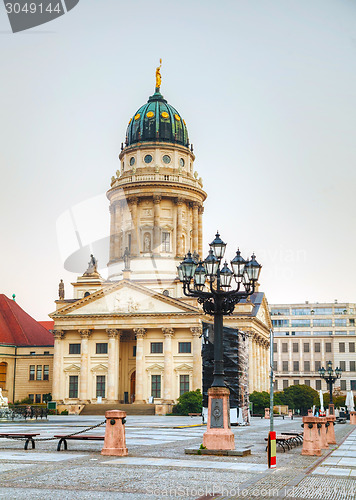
x,y
211,285
329,377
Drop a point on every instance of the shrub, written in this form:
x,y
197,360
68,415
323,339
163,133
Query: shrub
x,y
64,412
189,402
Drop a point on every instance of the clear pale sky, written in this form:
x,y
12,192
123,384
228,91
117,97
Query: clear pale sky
x,y
268,91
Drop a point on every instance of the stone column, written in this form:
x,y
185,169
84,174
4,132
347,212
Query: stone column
x,y
260,359
113,364
179,232
57,368
197,360
167,375
195,206
140,335
156,224
84,365
118,234
200,231
133,202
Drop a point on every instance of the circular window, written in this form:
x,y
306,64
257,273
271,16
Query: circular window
x,y
148,159
166,293
181,162
132,161
150,114
177,117
166,159
164,114
137,116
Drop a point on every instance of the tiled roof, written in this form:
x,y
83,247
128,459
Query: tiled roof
x,y
19,328
49,325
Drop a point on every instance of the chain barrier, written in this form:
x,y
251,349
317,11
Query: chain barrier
x,y
86,429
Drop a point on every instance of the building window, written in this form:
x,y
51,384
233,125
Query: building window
x,y
322,322
134,351
301,311
307,382
295,382
341,346
352,321
318,385
285,384
156,348
296,366
285,366
280,322
323,310
284,347
352,366
100,386
156,386
31,397
46,353
74,348
353,385
184,347
275,366
300,322
101,348
317,347
275,347
275,386
343,385
32,372
73,386
343,365
340,322
328,347
317,365
166,242
351,346
46,372
183,384
38,398
280,311
307,366
39,372
295,347
306,347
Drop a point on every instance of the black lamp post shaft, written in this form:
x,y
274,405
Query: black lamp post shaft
x,y
218,346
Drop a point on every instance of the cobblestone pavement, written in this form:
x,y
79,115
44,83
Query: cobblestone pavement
x,y
158,469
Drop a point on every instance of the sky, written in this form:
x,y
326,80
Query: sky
x,y
268,91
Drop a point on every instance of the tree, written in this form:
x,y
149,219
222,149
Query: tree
x,y
260,401
189,402
300,397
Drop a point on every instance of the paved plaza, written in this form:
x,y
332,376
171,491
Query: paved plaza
x,y
158,469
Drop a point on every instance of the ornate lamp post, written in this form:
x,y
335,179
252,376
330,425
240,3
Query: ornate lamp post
x,y
211,283
329,377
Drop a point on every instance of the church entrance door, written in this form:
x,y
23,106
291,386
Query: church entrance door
x,y
132,387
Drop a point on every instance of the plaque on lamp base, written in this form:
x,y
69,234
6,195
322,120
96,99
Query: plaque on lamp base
x,y
219,435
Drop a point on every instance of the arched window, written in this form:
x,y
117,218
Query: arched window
x,y
3,372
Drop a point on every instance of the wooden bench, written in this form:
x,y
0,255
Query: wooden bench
x,y
194,414
284,441
25,435
296,436
80,437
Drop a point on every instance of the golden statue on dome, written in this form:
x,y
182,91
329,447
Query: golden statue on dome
x,y
158,75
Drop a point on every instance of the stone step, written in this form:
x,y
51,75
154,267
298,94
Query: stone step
x,y
130,409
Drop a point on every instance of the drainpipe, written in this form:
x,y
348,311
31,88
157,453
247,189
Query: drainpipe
x,y
13,386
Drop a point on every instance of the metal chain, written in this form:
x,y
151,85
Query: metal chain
x,y
64,437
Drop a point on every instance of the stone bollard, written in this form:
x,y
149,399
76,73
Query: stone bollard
x,y
311,441
310,413
114,442
290,414
322,433
267,412
353,417
330,431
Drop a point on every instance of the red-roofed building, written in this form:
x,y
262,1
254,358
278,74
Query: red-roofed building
x,y
26,357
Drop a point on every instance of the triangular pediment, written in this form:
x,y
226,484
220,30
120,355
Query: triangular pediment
x,y
72,368
99,368
263,313
125,297
183,367
155,367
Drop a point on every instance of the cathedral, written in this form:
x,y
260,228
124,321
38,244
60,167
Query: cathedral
x,y
134,337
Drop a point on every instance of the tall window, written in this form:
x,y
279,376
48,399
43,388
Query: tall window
x,y
184,347
275,366
73,386
156,347
46,372
38,398
352,366
32,372
295,347
39,372
328,347
296,366
295,382
341,346
3,370
275,347
101,348
285,366
318,385
280,322
353,385
317,365
284,347
306,347
285,384
183,384
343,385
100,386
156,386
74,348
307,366
31,397
351,346
166,241
307,382
343,365
317,347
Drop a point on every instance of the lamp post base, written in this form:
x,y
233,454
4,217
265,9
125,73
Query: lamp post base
x,y
219,435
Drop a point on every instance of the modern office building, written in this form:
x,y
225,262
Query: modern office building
x,y
308,335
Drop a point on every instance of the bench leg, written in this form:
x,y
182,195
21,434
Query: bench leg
x,y
65,447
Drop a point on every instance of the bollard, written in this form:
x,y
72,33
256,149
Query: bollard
x,y
267,413
114,442
322,433
353,417
290,414
310,413
330,431
311,441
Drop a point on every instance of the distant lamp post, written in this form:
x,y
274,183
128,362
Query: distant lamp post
x,y
210,282
329,377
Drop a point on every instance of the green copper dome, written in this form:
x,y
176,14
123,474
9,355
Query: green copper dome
x,y
157,121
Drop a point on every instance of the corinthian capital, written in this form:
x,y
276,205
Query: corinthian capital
x,y
113,333
157,198
85,334
168,332
140,332
58,334
197,331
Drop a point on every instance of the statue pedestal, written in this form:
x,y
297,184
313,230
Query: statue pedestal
x,y
311,439
353,417
115,442
322,433
330,431
219,435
